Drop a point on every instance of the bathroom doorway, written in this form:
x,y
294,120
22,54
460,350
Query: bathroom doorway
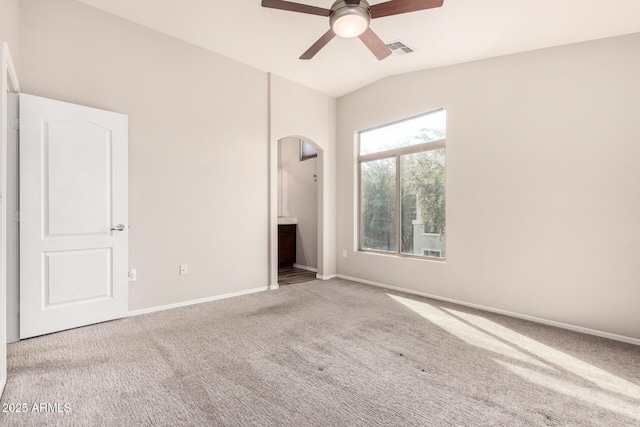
x,y
298,208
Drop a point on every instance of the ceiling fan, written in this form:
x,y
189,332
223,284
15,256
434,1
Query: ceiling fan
x,y
351,18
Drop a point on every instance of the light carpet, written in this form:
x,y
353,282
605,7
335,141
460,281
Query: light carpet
x,y
333,353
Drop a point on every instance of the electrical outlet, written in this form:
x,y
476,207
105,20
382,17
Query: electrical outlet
x,y
344,253
133,274
183,269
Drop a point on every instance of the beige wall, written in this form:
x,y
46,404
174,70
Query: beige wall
x,y
543,166
302,199
9,28
301,112
198,150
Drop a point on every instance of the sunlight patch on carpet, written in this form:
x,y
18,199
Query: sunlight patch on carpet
x,y
576,366
463,331
587,394
543,365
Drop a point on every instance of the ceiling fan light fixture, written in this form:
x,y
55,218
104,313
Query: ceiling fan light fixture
x,y
349,20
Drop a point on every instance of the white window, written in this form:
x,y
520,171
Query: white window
x,y
436,253
307,151
402,186
429,230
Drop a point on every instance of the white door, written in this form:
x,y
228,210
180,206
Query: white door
x,y
73,215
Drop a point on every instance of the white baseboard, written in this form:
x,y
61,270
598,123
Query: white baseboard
x,y
561,325
195,301
3,382
304,267
329,277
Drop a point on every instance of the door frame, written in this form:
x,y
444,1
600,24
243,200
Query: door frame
x,y
9,84
273,210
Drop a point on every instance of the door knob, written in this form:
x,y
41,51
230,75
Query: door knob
x,y
119,227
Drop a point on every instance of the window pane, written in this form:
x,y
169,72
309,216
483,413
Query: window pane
x,y
422,183
307,151
378,205
417,130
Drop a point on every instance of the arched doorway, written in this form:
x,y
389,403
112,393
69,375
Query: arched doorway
x,y
297,211
297,205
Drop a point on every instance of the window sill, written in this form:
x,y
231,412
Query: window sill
x,y
405,256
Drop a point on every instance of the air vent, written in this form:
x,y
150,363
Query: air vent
x,y
399,48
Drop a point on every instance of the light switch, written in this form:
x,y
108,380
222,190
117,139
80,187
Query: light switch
x,y
183,269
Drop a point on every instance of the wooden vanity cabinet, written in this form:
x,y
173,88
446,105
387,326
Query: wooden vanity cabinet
x,y
286,245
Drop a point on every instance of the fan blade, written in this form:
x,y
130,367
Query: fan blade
x,y
396,7
315,48
295,7
375,45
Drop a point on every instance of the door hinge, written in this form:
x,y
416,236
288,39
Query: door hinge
x,y
15,216
16,124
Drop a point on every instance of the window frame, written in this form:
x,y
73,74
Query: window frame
x,y
396,153
310,156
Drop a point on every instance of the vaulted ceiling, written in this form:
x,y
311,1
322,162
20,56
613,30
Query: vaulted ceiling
x,y
460,31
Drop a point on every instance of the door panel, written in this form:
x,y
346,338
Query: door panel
x,y
91,279
90,196
73,193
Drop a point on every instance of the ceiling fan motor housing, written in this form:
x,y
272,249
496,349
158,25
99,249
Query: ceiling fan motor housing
x,y
357,16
